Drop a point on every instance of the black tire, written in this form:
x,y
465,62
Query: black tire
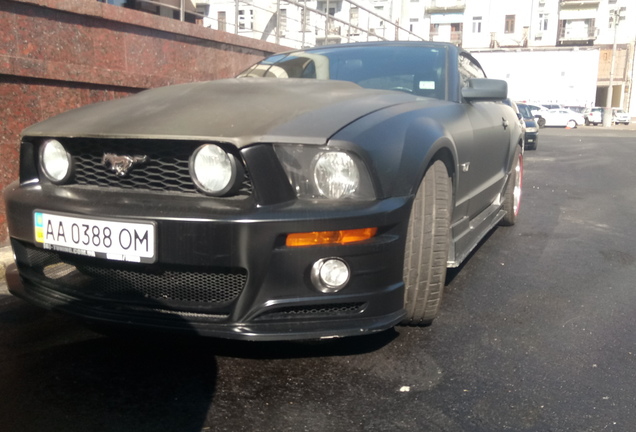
x,y
512,192
426,249
541,122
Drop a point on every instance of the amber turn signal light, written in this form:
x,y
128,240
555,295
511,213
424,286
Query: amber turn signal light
x,y
330,237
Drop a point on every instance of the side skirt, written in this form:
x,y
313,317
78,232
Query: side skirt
x,y
466,234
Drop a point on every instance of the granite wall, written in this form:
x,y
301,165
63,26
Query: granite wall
x,y
56,55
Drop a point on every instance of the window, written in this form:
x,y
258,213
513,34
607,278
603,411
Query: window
x,y
456,32
305,20
221,20
202,11
477,24
611,19
353,16
468,69
543,22
417,70
413,24
282,15
246,19
434,30
510,24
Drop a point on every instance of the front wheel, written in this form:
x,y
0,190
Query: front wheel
x,y
512,192
426,249
541,122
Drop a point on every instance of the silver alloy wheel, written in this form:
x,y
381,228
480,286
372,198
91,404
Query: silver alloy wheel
x,y
518,183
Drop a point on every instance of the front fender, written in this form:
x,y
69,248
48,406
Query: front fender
x,y
399,143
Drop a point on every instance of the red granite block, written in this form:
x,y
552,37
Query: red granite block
x,y
20,104
8,33
6,64
53,35
55,99
108,48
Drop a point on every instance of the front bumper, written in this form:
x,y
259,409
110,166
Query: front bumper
x,y
531,140
228,275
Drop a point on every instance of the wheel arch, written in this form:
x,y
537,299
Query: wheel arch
x,y
427,142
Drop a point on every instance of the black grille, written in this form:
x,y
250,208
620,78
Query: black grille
x,y
111,280
316,311
166,168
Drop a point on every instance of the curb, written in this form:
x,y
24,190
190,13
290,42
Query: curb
x,y
6,258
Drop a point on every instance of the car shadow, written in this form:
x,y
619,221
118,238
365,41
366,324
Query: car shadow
x,y
57,375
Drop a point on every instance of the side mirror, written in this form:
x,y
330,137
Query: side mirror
x,y
484,89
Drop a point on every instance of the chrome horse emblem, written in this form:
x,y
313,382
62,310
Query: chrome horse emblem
x,y
121,165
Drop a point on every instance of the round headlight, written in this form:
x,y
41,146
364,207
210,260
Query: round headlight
x,y
336,175
214,171
55,161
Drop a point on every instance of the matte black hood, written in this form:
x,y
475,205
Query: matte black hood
x,y
241,111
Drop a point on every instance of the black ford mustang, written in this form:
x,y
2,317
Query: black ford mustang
x,y
322,193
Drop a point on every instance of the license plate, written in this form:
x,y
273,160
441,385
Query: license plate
x,y
111,239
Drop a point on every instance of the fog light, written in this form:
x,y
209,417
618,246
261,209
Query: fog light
x,y
330,275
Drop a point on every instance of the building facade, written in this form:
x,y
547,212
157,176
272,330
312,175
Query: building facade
x,y
564,29
307,23
491,28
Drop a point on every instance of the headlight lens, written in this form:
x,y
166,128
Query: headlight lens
x,y
336,175
55,161
214,171
325,173
330,275
532,129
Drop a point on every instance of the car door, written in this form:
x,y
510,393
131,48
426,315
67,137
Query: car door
x,y
484,152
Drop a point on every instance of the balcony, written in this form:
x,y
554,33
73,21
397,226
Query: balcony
x,y
446,6
577,35
568,4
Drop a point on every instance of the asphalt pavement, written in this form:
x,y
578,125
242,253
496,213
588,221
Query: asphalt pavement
x,y
535,334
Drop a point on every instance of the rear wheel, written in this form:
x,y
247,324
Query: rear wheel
x,y
512,193
426,250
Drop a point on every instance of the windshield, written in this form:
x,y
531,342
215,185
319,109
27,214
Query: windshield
x,y
417,69
525,111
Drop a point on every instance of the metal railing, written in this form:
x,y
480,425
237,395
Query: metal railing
x,y
287,22
573,34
